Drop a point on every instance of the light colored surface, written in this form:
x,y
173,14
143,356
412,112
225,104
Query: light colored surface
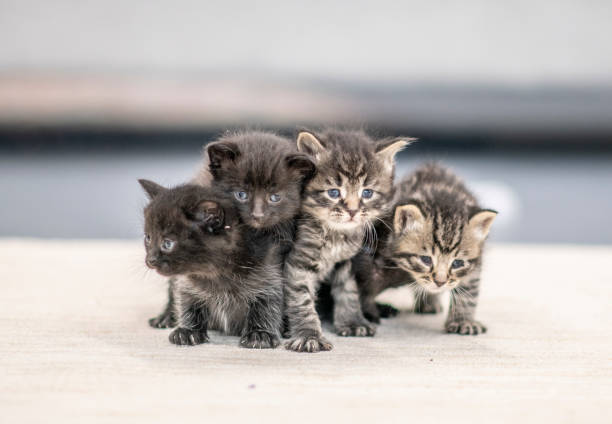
x,y
76,348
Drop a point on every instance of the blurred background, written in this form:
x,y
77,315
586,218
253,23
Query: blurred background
x,y
516,96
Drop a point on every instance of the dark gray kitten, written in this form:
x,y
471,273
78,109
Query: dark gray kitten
x,y
223,279
264,175
432,241
352,187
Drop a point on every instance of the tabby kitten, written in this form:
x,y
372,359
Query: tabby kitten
x,y
352,187
264,174
221,279
435,244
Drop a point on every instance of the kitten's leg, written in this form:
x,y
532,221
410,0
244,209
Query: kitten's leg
x,y
166,318
428,303
192,320
463,305
264,321
304,324
348,318
370,310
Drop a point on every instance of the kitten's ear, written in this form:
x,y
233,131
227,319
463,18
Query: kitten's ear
x,y
480,223
387,149
309,144
208,214
408,218
302,164
152,189
221,152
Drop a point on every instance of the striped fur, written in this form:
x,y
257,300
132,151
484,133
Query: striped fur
x,y
332,229
438,232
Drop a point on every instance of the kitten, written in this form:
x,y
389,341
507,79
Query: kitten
x,y
353,185
264,174
222,280
433,242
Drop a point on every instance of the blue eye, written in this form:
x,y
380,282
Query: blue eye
x,y
334,193
167,245
275,198
426,260
241,195
457,263
367,193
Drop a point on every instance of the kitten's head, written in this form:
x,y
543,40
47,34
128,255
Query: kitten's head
x,y
188,229
354,180
264,174
438,247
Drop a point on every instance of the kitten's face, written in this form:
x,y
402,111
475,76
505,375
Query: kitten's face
x,y
264,177
354,180
186,231
438,253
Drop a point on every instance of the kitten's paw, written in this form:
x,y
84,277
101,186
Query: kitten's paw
x,y
259,340
186,337
465,327
428,308
356,330
386,311
162,321
308,344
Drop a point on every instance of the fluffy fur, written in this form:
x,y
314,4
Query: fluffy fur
x,y
352,187
432,241
223,278
263,174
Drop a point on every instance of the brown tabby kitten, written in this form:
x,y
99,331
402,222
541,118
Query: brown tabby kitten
x,y
264,174
352,187
222,278
433,242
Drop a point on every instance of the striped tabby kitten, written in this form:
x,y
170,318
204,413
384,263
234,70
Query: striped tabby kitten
x,y
436,241
352,187
222,279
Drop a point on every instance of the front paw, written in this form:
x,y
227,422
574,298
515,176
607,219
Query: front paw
x,y
308,343
186,337
465,327
162,321
355,330
259,340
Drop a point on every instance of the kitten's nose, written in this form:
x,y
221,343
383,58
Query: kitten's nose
x,y
152,261
439,283
258,210
352,212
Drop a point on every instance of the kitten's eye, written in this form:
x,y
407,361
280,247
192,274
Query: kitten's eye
x,y
367,193
457,263
275,198
241,195
426,260
147,239
334,193
167,245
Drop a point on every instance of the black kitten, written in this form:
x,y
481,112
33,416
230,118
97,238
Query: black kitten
x,y
263,172
222,279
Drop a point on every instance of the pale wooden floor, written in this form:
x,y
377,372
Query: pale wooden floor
x,y
76,348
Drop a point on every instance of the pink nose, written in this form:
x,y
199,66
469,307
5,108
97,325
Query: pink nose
x,y
439,283
352,212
